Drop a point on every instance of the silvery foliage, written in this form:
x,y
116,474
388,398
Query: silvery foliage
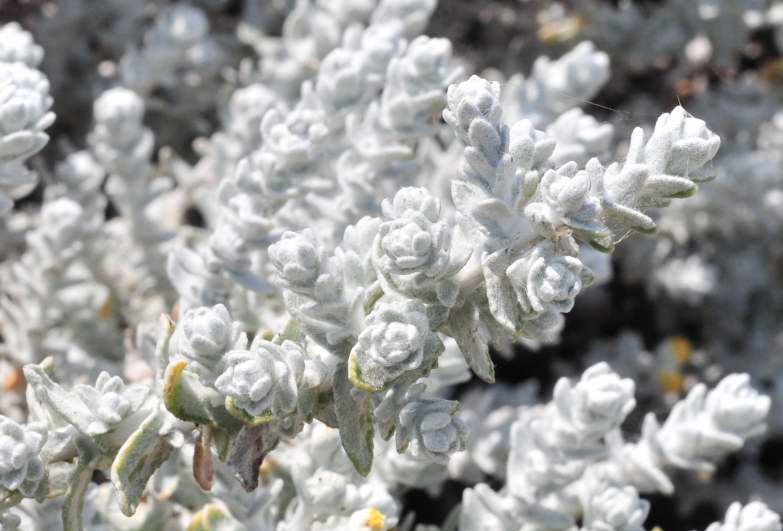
x,y
744,233
550,97
240,134
302,167
314,28
24,112
204,336
123,146
51,296
700,430
19,47
531,216
488,416
754,516
727,244
333,297
550,449
21,468
568,458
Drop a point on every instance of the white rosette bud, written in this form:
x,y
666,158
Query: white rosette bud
x,y
530,149
118,112
473,99
18,46
415,87
341,83
24,115
21,468
755,516
430,429
546,282
396,339
62,227
297,258
680,144
564,198
416,251
614,508
596,404
246,111
552,445
119,139
110,400
415,239
203,337
291,143
538,461
706,426
263,382
737,408
228,243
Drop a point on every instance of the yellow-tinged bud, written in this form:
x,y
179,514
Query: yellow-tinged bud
x,y
671,382
681,348
375,519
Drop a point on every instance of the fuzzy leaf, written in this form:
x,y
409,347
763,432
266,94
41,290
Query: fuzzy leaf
x,y
354,410
669,186
500,295
180,396
248,451
629,218
61,404
466,329
187,399
142,454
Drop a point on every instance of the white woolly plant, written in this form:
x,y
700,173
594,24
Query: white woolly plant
x,y
377,93
754,516
509,267
327,224
532,217
567,459
124,147
53,297
24,112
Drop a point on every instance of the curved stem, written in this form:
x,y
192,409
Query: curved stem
x,y
80,480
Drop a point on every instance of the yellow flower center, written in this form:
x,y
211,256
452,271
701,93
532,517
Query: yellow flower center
x,y
681,348
375,519
671,381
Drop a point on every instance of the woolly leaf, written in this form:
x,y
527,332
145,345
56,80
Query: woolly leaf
x,y
142,454
466,328
354,410
248,451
